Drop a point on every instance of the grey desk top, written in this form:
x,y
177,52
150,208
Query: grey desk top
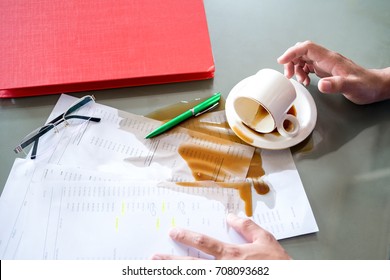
x,y
345,163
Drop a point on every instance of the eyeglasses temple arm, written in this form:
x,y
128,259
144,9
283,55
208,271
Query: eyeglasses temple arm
x,y
34,149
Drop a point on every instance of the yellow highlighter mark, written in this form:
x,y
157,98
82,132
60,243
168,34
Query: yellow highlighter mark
x,y
173,222
163,207
123,208
117,224
158,224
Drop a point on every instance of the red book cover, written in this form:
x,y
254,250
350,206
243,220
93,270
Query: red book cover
x,y
56,46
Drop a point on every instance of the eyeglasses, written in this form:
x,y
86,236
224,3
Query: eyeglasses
x,y
46,133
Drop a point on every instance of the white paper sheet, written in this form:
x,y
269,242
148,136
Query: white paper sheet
x,y
70,213
99,205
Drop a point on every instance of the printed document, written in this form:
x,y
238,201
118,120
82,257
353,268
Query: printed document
x,y
104,192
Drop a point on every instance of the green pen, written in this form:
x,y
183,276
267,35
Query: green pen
x,y
197,110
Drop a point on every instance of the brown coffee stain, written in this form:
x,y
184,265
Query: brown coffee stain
x,y
260,114
203,169
211,163
173,110
242,136
243,188
255,174
213,128
262,117
245,191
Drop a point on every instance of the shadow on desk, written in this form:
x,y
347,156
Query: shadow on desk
x,y
339,121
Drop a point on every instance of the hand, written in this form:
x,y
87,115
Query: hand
x,y
338,73
261,244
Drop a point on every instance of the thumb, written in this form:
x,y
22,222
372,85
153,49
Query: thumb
x,y
337,84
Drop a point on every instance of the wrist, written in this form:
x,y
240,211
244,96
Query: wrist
x,y
383,85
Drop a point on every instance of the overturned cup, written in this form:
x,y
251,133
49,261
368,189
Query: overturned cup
x,y
264,104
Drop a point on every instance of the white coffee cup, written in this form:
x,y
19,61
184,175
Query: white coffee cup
x,y
263,103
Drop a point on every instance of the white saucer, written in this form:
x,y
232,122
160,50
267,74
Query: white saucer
x,y
306,114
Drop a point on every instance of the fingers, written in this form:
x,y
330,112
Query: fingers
x,y
300,59
289,70
246,227
307,50
336,84
295,64
293,53
196,240
302,74
325,86
261,244
171,257
199,241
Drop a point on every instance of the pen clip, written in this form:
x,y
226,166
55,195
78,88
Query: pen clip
x,y
207,109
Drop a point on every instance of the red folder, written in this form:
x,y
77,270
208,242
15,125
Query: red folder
x,y
60,46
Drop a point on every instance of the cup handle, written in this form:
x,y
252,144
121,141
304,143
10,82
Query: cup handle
x,y
291,132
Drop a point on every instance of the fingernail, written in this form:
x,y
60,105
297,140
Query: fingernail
x,y
173,233
326,86
156,257
231,217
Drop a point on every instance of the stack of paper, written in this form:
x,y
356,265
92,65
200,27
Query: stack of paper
x,y
104,192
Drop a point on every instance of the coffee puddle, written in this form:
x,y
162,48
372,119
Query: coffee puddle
x,y
255,174
210,163
171,111
243,188
203,169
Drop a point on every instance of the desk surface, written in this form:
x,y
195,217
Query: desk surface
x,y
344,165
